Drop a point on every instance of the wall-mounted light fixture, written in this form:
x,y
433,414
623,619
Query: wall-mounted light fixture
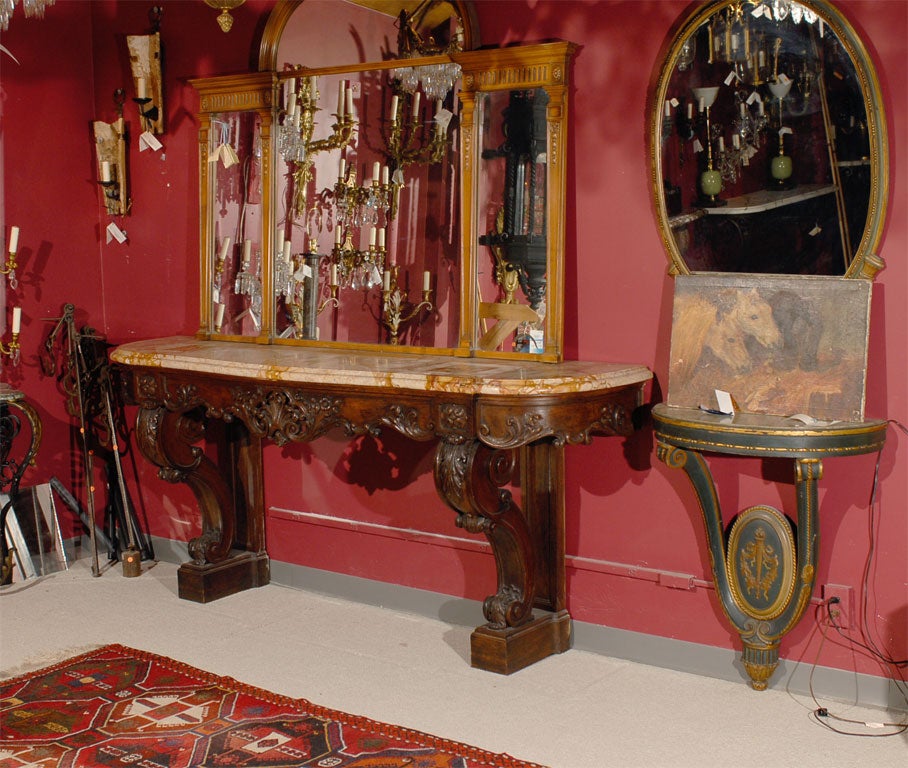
x,y
225,20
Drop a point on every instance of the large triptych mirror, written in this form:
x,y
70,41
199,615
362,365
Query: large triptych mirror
x,y
379,185
768,142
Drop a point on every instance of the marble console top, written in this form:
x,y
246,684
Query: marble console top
x,y
427,373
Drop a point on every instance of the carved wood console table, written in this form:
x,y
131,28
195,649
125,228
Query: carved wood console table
x,y
488,417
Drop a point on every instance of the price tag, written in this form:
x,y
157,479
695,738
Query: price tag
x,y
115,233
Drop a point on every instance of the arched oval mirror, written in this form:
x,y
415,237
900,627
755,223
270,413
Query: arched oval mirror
x,y
768,142
337,32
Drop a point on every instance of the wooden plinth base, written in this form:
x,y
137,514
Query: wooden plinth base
x,y
242,570
506,650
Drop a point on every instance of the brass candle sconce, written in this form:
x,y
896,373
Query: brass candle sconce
x,y
11,350
9,268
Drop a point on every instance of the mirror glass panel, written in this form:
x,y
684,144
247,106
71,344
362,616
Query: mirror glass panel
x,y
235,175
367,241
768,142
511,208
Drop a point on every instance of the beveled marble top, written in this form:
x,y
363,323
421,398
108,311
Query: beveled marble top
x,y
435,373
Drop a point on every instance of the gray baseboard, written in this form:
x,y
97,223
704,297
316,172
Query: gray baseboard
x,y
667,653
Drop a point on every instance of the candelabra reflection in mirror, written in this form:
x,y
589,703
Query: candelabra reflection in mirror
x,y
396,309
368,204
409,137
359,269
32,9
296,144
248,283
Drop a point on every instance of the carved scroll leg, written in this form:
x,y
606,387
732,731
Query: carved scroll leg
x,y
469,477
167,438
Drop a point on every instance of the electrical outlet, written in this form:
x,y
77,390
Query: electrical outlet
x,y
842,611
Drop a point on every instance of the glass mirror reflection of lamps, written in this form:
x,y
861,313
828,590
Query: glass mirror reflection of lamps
x,y
780,167
710,178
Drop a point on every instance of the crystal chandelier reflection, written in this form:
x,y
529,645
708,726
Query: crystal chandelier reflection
x,y
32,8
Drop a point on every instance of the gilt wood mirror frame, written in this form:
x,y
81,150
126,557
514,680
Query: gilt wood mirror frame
x,y
768,146
430,226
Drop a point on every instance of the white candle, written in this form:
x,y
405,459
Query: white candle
x,y
140,88
690,110
247,251
350,102
381,237
333,278
416,103
286,251
702,104
225,246
342,167
219,316
372,237
105,170
337,235
17,319
721,143
291,104
384,175
376,171
394,103
13,239
736,141
426,280
386,280
668,108
313,86
341,88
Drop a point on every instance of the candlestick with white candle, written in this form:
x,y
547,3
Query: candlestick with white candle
x,y
105,171
376,172
381,237
141,90
219,317
341,92
225,247
350,102
416,103
247,252
13,239
394,104
372,237
426,281
332,279
17,320
386,281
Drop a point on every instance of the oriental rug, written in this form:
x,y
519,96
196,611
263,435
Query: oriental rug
x,y
117,706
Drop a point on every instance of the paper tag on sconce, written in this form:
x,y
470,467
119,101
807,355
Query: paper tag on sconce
x,y
815,231
398,177
302,273
443,117
784,129
783,78
754,96
376,275
148,140
115,233
698,147
732,76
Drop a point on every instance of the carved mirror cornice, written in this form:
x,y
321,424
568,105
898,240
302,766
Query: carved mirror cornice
x,y
768,145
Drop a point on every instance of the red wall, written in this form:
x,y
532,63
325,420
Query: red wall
x,y
626,513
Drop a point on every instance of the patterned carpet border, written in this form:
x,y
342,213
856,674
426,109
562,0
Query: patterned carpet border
x,y
301,706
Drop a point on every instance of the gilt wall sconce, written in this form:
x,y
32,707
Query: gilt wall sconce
x,y
145,63
110,145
